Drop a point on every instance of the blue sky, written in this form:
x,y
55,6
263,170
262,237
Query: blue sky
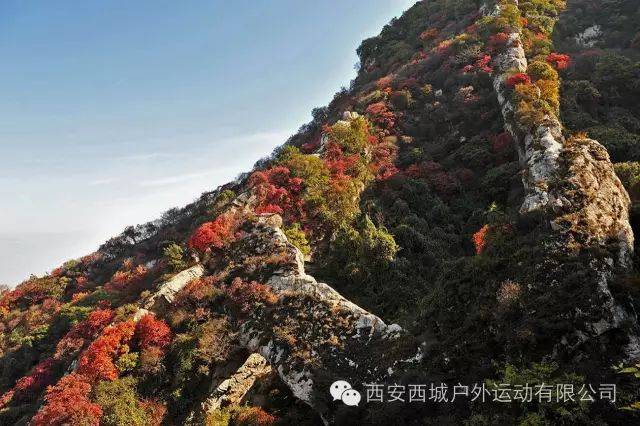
x,y
115,111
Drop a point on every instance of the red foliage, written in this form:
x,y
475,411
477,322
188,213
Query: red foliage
x,y
128,278
254,416
94,323
30,292
380,115
338,163
480,239
68,346
215,234
151,331
81,282
559,60
312,145
471,29
6,398
384,82
247,295
96,363
498,41
278,192
30,385
518,78
429,34
441,181
195,293
501,142
91,258
414,171
419,56
483,64
155,411
67,403
269,208
383,160
40,376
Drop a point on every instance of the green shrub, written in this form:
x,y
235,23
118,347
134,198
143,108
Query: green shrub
x,y
298,238
174,256
119,402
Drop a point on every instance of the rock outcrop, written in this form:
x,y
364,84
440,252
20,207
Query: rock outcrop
x,y
312,336
166,291
573,185
233,390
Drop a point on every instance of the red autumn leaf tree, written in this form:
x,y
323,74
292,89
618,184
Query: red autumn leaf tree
x,y
215,234
278,192
67,403
151,331
380,115
97,362
559,61
480,239
518,78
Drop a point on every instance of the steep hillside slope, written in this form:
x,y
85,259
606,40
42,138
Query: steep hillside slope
x,y
464,213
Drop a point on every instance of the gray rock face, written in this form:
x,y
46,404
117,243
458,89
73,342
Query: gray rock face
x,y
539,149
167,291
592,205
313,335
574,185
233,390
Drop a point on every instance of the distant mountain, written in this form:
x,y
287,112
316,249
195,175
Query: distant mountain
x,y
462,217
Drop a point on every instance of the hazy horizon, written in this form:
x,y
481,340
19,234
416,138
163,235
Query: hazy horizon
x,y
113,114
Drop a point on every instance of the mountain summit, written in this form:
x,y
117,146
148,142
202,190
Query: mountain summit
x,y
450,240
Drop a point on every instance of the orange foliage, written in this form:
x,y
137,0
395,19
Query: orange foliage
x,y
214,234
151,331
247,295
428,34
518,78
384,82
96,363
254,416
498,41
480,239
67,403
559,60
155,411
127,278
381,115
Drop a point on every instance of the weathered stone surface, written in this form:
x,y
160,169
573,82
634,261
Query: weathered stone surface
x,y
233,390
313,335
167,291
593,205
573,184
538,150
